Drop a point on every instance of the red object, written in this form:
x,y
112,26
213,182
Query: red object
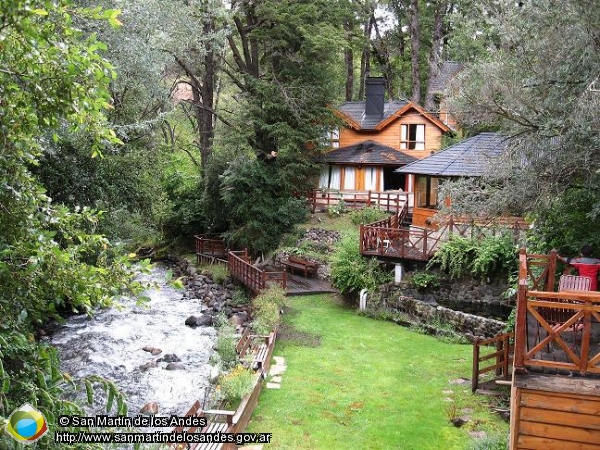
x,y
588,270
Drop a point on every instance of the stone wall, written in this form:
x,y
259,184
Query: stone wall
x,y
394,301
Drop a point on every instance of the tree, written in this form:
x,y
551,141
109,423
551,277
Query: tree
x,y
540,91
50,259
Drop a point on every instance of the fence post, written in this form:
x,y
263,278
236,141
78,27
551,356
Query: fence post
x,y
475,375
521,327
362,234
506,349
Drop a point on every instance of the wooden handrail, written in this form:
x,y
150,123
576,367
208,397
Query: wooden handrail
x,y
502,358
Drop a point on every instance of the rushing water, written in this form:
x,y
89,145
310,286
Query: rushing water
x,y
110,345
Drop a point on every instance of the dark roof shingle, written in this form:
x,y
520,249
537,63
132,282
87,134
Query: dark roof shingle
x,y
356,112
368,152
469,158
447,71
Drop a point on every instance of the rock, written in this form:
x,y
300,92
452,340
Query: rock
x,y
147,366
215,372
149,408
169,358
175,366
191,271
204,320
152,350
191,321
238,319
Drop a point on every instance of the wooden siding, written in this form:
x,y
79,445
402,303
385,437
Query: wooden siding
x,y
555,413
390,135
420,216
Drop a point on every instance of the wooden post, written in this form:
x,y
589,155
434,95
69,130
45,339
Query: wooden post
x,y
475,375
506,349
425,234
362,235
521,328
551,271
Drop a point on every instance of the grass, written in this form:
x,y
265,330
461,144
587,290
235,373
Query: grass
x,y
354,382
342,223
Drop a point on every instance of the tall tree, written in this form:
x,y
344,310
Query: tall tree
x,y
540,91
435,52
415,46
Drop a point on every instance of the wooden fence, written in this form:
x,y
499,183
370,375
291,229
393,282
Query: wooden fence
x,y
254,278
499,361
388,201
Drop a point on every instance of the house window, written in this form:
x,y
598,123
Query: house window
x,y
412,137
371,179
427,192
334,138
330,178
350,177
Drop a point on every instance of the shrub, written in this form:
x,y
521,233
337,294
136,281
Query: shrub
x,y
236,384
266,308
424,280
367,215
491,255
337,210
351,272
240,297
217,272
497,442
225,346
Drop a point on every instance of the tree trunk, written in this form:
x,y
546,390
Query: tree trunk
x,y
349,59
436,50
365,59
415,41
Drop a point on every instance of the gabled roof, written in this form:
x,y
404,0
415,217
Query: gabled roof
x,y
353,113
469,158
447,71
368,152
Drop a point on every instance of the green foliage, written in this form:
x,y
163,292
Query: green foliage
x,y
495,442
568,222
337,210
218,272
225,346
259,203
240,297
488,256
351,272
424,280
235,385
265,310
367,215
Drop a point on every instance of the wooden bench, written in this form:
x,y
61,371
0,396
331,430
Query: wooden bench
x,y
244,344
211,427
306,267
260,354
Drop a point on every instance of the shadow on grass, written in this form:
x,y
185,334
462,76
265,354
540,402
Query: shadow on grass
x,y
288,335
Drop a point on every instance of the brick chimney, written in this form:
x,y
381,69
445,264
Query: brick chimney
x,y
375,89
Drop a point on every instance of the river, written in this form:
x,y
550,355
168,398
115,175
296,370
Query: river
x,y
110,345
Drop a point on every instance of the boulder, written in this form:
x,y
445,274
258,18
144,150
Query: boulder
x,y
150,408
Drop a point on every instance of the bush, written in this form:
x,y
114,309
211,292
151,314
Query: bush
x,y
482,258
217,272
266,307
367,215
497,442
424,280
351,272
236,384
225,346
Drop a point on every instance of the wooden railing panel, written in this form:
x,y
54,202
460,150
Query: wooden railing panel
x,y
502,359
388,201
254,278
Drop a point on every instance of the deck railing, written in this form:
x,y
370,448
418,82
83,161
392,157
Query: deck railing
x,y
254,278
499,361
387,238
210,245
570,343
388,201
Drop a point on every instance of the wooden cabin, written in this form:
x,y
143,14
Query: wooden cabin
x,y
555,393
470,158
378,137
441,87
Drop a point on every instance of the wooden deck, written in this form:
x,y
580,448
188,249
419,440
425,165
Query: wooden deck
x,y
297,285
555,396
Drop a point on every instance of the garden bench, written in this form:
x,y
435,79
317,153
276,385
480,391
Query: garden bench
x,y
260,355
306,267
245,343
211,427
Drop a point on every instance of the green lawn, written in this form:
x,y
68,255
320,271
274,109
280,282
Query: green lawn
x,y
366,384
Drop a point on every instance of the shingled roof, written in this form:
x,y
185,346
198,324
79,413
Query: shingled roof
x,y
447,71
368,152
356,112
471,157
